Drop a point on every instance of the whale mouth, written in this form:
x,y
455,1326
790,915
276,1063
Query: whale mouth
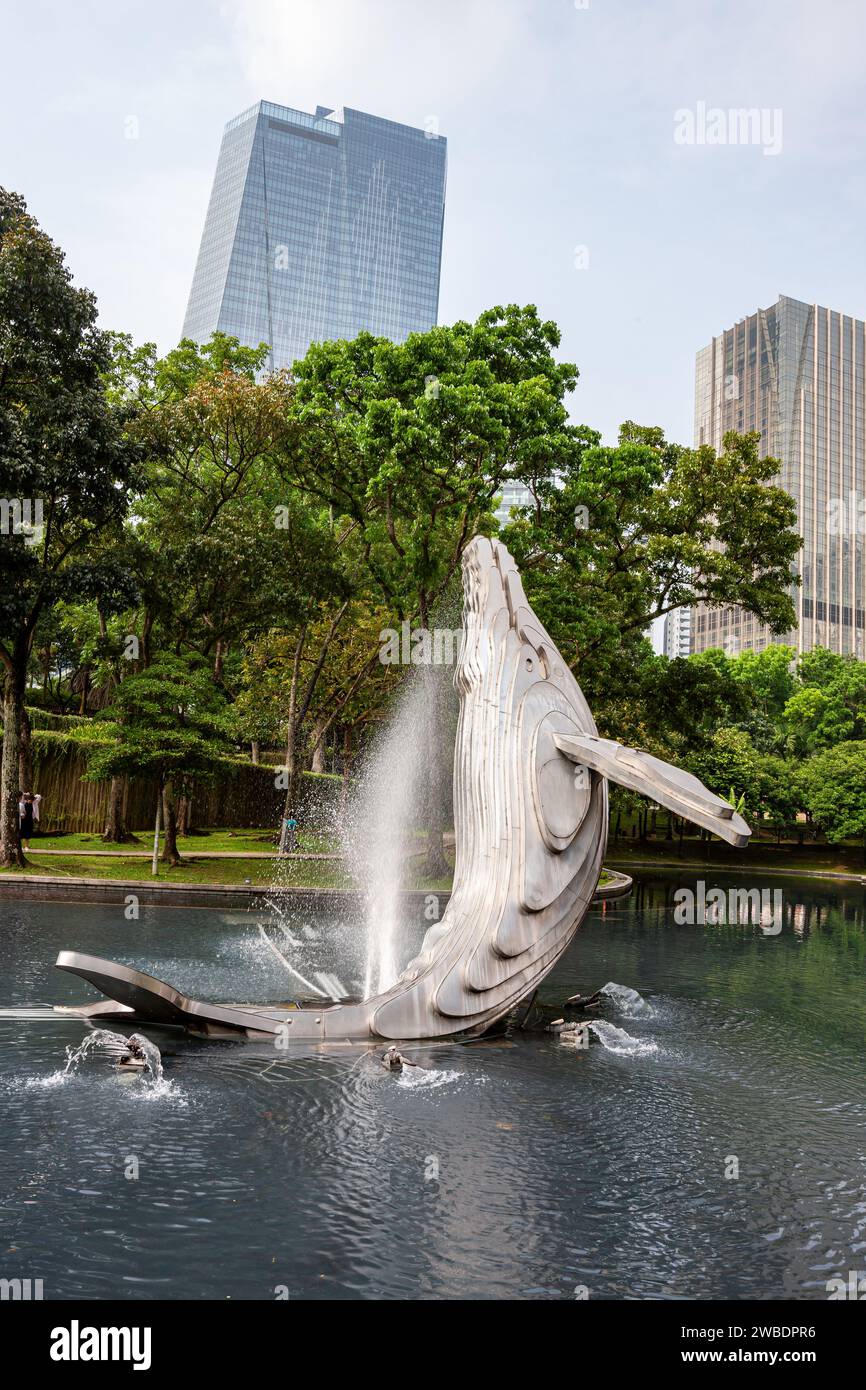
x,y
496,616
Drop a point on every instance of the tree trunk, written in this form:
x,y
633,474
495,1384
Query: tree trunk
x,y
146,629
116,831
254,751
25,752
318,762
170,855
184,814
10,839
154,866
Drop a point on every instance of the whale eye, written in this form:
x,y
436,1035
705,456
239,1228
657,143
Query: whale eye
x,y
537,661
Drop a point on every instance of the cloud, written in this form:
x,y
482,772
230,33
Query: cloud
x,y
402,61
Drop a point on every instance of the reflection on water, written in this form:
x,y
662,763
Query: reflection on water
x,y
518,1168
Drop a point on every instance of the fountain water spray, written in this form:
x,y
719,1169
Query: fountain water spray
x,y
385,812
135,1052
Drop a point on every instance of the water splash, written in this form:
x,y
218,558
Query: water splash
x,y
419,1078
381,845
627,1001
280,955
152,1056
619,1041
115,1046
100,1040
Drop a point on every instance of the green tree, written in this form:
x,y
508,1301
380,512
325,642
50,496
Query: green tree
x,y
829,707
734,768
169,721
819,667
408,446
767,680
63,452
768,676
834,786
730,763
231,554
686,700
626,534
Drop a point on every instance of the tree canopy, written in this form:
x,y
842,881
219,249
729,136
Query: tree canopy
x,y
221,543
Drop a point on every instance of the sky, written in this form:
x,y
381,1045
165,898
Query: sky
x,y
584,172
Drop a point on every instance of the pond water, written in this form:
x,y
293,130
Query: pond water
x,y
518,1168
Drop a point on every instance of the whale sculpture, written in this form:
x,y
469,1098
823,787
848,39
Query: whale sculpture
x,y
530,815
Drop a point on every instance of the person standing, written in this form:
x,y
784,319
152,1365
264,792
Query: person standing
x,y
28,812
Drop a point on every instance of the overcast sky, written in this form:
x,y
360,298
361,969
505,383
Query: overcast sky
x,y
565,151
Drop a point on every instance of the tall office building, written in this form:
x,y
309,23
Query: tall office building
x,y
676,640
319,226
512,495
795,372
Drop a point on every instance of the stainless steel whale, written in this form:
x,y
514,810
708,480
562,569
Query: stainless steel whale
x,y
530,812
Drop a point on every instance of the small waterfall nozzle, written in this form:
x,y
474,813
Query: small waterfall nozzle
x,y
133,1059
392,1060
133,1054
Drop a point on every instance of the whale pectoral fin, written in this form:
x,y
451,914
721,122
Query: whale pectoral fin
x,y
670,786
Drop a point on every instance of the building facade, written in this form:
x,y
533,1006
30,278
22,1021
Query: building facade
x,y
677,631
795,372
512,495
319,226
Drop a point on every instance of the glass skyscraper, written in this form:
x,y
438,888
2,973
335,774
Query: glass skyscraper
x,y
319,226
795,372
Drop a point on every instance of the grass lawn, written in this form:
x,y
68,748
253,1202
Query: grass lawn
x,y
308,873
289,873
226,841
